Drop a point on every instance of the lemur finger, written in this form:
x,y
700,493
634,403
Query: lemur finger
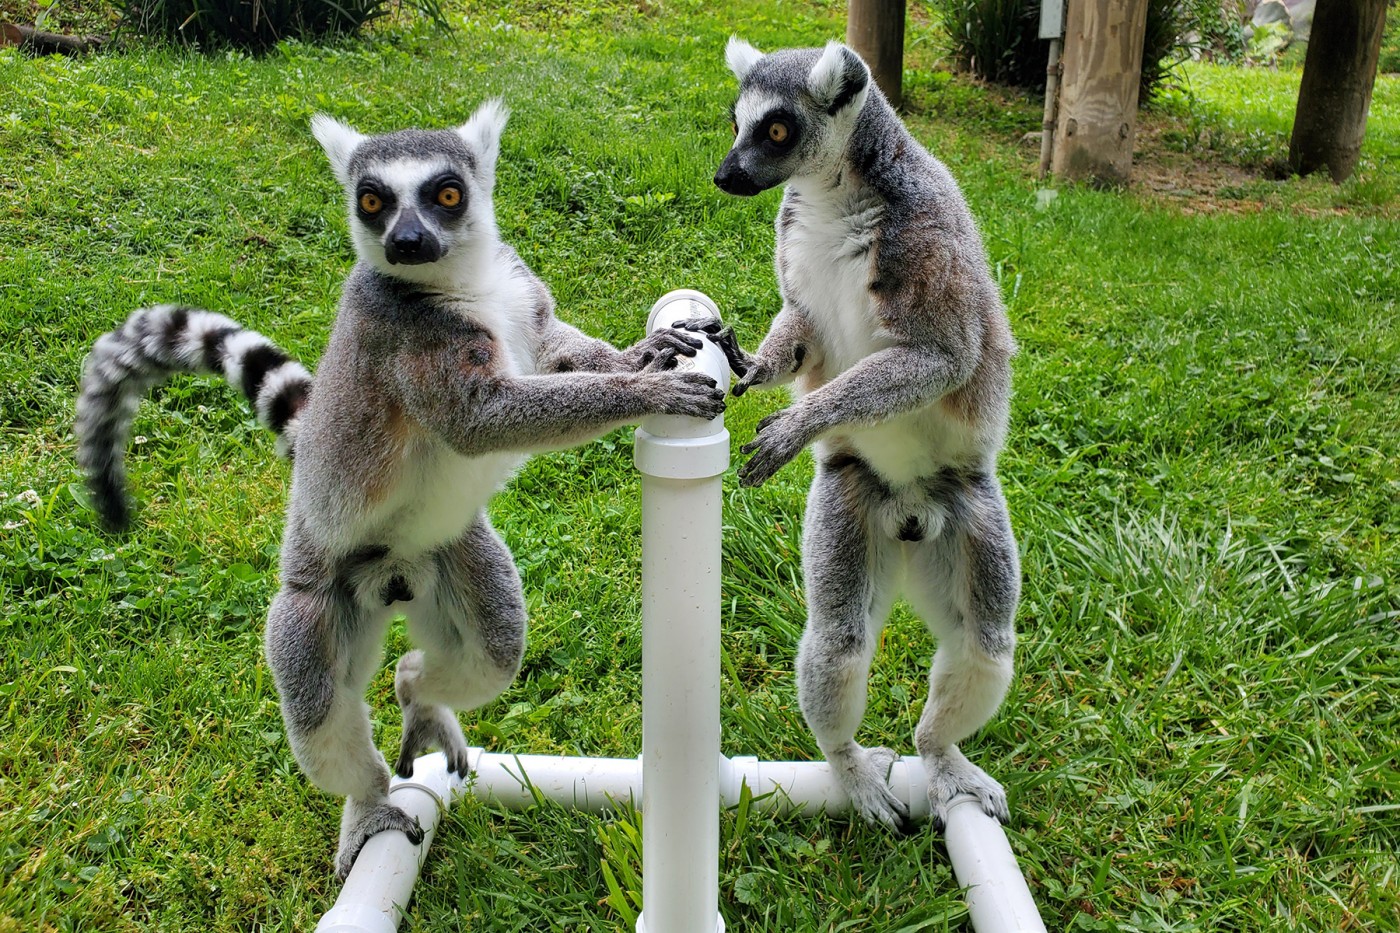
x,y
680,339
722,337
767,421
705,325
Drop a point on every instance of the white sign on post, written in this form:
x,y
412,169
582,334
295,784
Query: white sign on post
x,y
1052,18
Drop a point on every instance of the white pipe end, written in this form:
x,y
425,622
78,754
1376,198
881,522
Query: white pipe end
x,y
642,923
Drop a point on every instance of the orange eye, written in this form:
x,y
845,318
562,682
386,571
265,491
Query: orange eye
x,y
370,203
450,196
778,132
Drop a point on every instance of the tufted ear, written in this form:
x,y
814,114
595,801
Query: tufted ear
x,y
338,140
482,134
838,79
740,56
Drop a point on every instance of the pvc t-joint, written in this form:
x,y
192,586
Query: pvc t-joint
x,y
676,446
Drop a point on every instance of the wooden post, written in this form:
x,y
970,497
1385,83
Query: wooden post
x,y
1099,91
1335,95
875,29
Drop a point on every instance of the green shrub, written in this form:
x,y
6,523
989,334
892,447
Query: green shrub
x,y
1390,41
258,24
998,40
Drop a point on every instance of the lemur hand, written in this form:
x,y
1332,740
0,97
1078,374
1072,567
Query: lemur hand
x,y
722,337
689,393
780,437
658,351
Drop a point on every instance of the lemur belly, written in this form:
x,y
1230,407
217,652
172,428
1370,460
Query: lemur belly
x,y
434,503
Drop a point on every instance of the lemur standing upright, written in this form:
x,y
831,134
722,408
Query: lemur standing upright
x,y
894,333
445,369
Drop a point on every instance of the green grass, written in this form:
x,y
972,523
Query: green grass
x,y
1202,734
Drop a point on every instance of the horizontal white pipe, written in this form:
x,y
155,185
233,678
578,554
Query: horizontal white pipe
x,y
380,884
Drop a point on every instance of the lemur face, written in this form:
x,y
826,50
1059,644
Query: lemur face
x,y
795,110
418,198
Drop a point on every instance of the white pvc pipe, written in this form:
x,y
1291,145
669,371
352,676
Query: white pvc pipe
x,y
681,779
682,461
377,890
998,900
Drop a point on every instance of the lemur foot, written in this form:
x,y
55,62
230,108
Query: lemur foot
x,y
864,773
426,726
951,774
361,821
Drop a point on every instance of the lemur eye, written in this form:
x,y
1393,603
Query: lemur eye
x,y
371,203
778,132
449,196
735,127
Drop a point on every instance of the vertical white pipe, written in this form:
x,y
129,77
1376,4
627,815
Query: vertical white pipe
x,y
682,461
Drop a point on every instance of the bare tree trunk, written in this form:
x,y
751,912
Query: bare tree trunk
x,y
1338,75
875,29
1099,91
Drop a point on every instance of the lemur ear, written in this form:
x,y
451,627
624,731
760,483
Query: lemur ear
x,y
740,56
839,79
483,134
339,142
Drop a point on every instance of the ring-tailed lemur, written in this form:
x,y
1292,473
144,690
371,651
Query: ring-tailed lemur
x,y
895,336
446,368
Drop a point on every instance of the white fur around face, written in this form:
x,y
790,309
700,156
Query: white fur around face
x,y
740,56
338,140
753,107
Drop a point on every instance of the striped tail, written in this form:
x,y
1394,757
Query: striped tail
x,y
152,344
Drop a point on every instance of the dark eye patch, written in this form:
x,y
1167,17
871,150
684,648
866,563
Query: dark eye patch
x,y
447,194
778,131
373,202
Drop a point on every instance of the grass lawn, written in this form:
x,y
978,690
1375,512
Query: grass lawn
x,y
1202,473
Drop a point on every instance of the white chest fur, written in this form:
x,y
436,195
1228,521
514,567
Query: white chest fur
x,y
826,255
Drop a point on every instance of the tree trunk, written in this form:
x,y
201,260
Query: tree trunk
x,y
875,29
1335,95
1099,91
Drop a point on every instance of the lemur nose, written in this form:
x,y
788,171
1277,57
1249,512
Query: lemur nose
x,y
411,244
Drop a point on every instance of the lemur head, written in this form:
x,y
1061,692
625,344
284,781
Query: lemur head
x,y
420,200
794,116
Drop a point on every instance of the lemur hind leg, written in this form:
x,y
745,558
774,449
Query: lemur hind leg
x,y
323,706
470,632
965,585
849,595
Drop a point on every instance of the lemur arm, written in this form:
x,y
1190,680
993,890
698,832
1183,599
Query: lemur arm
x,y
453,393
886,383
564,348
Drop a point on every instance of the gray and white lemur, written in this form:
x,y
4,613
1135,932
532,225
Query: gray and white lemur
x,y
894,334
445,369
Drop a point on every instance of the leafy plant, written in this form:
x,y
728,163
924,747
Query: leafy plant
x,y
259,24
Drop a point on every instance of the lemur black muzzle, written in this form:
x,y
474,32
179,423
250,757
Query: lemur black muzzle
x,y
410,243
732,179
